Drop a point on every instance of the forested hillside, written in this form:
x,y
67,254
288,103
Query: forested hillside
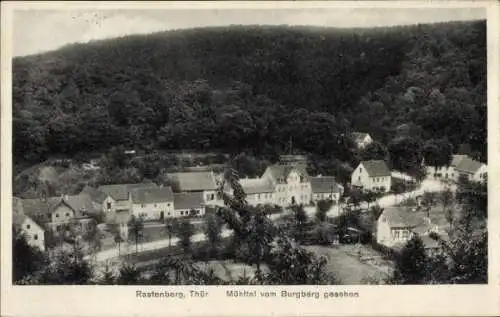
x,y
255,89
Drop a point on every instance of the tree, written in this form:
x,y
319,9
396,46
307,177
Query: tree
x,y
171,226
446,198
185,231
136,227
406,154
411,264
26,260
108,277
437,153
129,275
93,237
374,151
321,209
300,222
213,230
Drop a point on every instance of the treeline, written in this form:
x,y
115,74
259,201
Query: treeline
x,y
257,89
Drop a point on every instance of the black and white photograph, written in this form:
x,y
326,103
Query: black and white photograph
x,y
257,147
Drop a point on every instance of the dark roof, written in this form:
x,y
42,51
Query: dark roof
x,y
121,191
152,195
95,194
468,165
400,217
194,181
376,168
281,172
18,219
325,184
293,158
256,186
40,209
188,200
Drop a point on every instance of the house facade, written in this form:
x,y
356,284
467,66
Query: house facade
x,y
153,203
197,182
395,226
471,170
372,175
33,232
189,204
326,188
460,166
361,139
258,191
61,214
291,183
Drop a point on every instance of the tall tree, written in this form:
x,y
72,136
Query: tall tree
x,y
136,228
213,230
185,231
411,264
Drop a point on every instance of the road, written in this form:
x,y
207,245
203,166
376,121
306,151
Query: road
x,y
428,185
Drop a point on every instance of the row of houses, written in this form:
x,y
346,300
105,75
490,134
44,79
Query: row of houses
x,y
189,194
461,166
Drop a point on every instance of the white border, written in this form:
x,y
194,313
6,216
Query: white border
x,y
374,300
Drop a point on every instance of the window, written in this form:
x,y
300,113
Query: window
x,y
396,234
57,215
405,235
168,205
155,205
67,214
258,196
359,178
28,226
108,206
35,237
142,205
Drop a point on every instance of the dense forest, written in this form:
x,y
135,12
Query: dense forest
x,y
255,89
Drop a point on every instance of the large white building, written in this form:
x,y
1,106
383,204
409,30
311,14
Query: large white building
x,y
291,183
372,175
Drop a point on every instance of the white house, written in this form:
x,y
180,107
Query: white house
x,y
153,203
326,188
33,232
199,182
395,226
292,185
119,199
372,175
361,139
189,204
471,170
258,191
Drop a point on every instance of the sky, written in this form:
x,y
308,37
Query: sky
x,y
37,31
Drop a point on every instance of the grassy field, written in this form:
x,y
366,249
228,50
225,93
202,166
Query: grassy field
x,y
347,266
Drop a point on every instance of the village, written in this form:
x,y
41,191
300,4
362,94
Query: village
x,y
130,220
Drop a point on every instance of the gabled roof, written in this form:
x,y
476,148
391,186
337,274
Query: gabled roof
x,y
468,165
376,168
400,217
194,181
359,137
281,172
324,184
40,210
152,195
95,194
256,186
81,202
188,200
19,219
121,191
455,160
